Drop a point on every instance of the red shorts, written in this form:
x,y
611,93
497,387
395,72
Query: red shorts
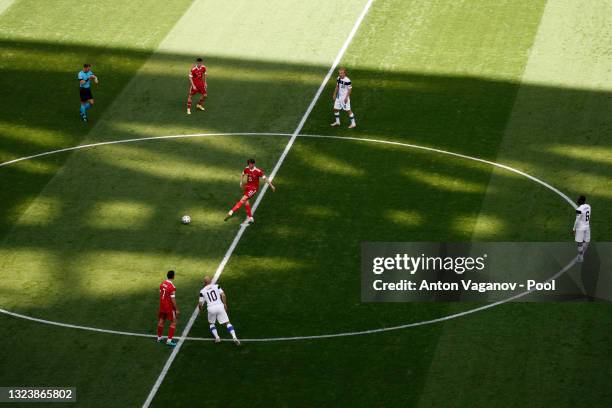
x,y
201,89
250,192
166,315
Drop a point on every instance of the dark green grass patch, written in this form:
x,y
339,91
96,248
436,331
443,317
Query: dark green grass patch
x,y
87,236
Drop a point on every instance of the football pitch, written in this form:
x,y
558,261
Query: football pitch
x,y
477,121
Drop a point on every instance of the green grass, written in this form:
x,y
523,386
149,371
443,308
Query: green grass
x,y
42,48
88,235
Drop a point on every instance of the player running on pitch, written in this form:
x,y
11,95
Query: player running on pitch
x,y
87,100
249,182
582,229
168,310
342,98
216,304
197,79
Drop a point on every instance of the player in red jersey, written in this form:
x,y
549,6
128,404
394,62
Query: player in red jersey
x,y
197,78
168,310
249,182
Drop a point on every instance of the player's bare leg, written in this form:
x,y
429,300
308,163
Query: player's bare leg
x,y
336,121
236,207
231,331
170,341
352,119
160,329
213,330
200,105
189,102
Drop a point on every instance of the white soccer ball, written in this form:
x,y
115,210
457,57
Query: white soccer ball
x,y
186,219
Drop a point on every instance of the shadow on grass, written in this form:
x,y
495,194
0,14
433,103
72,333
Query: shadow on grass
x,y
368,191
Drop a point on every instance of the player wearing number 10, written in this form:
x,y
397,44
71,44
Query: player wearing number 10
x,y
216,304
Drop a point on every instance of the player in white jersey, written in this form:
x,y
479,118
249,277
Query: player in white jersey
x,y
342,98
582,229
216,304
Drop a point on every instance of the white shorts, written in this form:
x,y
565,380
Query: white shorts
x,y
339,105
583,235
217,313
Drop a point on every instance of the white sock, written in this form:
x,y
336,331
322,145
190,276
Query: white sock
x,y
582,247
352,118
213,330
231,330
337,115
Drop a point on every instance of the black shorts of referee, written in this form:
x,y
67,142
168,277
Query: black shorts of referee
x,y
85,94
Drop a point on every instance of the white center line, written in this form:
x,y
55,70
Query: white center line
x,y
240,232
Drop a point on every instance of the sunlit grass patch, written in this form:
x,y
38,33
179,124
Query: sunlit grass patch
x,y
320,211
120,215
42,212
597,154
481,225
32,276
452,183
108,272
161,165
406,218
246,265
327,163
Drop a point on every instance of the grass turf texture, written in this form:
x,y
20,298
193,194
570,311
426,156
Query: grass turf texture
x,y
89,235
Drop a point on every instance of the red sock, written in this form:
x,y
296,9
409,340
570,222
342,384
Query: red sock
x,y
171,332
247,207
188,104
237,206
201,101
160,330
